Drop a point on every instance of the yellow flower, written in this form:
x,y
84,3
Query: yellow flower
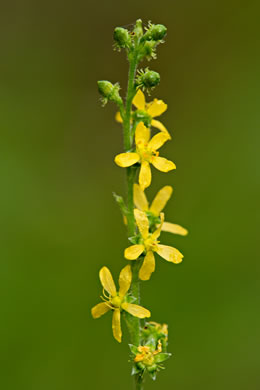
x,y
117,301
149,244
152,110
157,206
146,153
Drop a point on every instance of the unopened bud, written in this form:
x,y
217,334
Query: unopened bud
x,y
149,49
109,91
138,30
148,79
122,37
157,32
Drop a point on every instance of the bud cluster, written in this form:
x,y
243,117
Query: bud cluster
x,y
152,352
136,40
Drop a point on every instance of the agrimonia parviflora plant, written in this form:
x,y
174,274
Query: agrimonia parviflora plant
x,y
144,221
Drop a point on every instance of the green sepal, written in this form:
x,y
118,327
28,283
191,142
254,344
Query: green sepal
x,y
135,370
134,239
152,370
140,366
153,221
161,357
133,348
142,116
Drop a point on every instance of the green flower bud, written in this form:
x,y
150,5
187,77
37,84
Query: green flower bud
x,y
142,116
147,79
105,88
157,32
149,49
138,30
109,91
151,79
122,37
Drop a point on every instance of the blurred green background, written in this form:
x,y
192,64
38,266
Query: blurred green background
x,y
60,224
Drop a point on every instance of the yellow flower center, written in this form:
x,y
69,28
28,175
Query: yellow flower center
x,y
151,244
116,301
145,356
145,153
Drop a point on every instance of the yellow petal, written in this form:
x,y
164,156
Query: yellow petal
x,y
136,310
140,200
163,164
125,279
157,108
142,135
119,119
158,125
170,254
148,266
107,281
133,252
175,229
100,309
161,199
139,100
157,141
142,222
116,325
126,159
145,175
157,232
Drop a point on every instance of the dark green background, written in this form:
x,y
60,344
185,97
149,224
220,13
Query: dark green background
x,y
60,224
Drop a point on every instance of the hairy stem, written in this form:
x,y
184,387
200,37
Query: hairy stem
x,y
133,323
139,384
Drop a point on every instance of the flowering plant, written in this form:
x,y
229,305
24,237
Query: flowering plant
x,y
144,223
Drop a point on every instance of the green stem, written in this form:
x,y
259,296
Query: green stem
x,y
133,322
139,384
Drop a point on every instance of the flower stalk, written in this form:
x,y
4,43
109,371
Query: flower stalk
x,y
149,340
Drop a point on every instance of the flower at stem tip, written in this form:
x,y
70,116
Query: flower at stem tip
x,y
148,111
146,153
149,244
117,301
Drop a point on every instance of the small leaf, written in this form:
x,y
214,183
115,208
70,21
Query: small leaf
x,y
121,203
